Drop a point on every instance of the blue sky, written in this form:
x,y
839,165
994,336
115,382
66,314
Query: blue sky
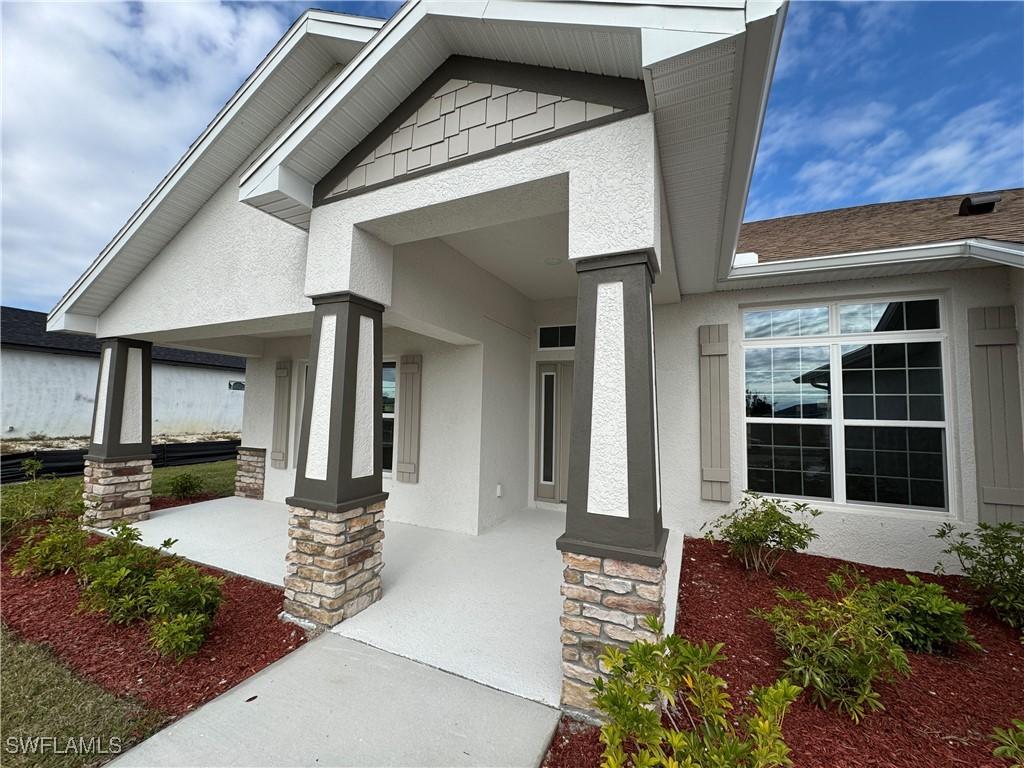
x,y
871,102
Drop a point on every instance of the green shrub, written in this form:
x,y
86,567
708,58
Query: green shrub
x,y
672,677
180,635
837,647
23,505
58,546
118,575
920,615
186,485
183,589
992,558
762,530
1010,743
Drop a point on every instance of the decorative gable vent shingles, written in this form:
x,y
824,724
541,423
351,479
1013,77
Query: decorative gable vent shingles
x,y
465,118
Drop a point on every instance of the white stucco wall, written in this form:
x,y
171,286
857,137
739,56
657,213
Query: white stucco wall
x,y
893,537
229,263
53,395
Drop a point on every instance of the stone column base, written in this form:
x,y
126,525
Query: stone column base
x,y
606,601
116,491
334,563
250,472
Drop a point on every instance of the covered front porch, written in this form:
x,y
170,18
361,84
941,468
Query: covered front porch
x,y
483,607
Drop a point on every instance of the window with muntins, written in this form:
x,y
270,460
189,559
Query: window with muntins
x,y
845,401
390,390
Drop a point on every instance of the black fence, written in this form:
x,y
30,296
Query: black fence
x,y
68,463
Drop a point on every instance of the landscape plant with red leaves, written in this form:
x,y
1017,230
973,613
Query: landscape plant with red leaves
x,y
940,717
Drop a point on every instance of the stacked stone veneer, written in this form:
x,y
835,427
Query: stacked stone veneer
x,y
117,491
334,563
250,472
606,602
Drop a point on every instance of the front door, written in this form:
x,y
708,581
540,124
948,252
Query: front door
x,y
554,415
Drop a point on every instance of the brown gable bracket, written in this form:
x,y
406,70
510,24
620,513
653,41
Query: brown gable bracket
x,y
623,94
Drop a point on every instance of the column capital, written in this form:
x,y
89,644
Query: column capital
x,y
347,296
613,508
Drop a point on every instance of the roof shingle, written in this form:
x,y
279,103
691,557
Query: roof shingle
x,y
881,226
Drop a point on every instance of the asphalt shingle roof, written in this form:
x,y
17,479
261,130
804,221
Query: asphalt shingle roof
x,y
26,329
880,226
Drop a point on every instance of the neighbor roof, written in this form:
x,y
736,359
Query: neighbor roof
x,y
25,329
881,226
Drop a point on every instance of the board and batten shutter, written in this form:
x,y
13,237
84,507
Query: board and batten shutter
x,y
715,472
282,401
407,449
998,430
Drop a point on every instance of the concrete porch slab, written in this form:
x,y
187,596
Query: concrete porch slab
x,y
337,702
243,536
484,607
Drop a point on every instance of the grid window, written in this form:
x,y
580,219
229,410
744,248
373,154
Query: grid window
x,y
557,336
896,465
858,413
390,390
790,459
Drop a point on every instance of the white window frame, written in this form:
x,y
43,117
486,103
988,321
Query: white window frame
x,y
837,422
393,416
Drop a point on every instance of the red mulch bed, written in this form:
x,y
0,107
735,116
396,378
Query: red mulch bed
x,y
246,637
166,502
940,717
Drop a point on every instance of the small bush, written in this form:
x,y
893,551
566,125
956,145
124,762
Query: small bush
x,y
672,677
992,558
183,589
920,616
118,576
58,546
762,530
180,635
187,485
837,647
39,498
1010,743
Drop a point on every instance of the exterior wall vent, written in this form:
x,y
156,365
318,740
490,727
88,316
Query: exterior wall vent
x,y
984,202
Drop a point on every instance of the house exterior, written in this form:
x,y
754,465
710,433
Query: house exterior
x,y
49,383
482,257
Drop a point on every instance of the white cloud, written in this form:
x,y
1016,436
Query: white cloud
x,y
99,101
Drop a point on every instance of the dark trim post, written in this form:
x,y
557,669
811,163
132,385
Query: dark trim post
x,y
122,414
333,423
335,536
119,464
614,438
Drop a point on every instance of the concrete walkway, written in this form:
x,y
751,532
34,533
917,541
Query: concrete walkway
x,y
338,702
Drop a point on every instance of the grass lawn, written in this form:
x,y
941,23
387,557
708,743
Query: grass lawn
x,y
40,697
218,477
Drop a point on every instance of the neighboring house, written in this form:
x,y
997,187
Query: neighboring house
x,y
481,258
49,383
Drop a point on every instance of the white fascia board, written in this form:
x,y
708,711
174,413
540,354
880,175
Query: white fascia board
x,y
1011,254
758,56
657,45
282,182
693,16
71,322
393,32
192,155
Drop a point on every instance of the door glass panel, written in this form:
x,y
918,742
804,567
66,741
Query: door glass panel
x,y
547,462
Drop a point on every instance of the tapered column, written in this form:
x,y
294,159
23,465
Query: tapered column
x,y
614,543
119,464
334,558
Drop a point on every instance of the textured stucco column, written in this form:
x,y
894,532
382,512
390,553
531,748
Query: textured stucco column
x,y
250,472
335,535
119,464
614,540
